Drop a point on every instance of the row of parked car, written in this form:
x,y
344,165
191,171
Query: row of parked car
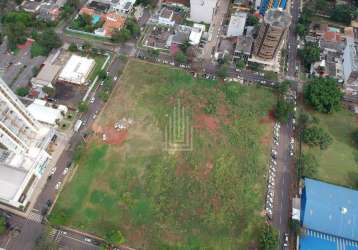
x,y
272,171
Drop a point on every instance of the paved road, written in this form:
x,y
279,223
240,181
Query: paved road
x,y
292,40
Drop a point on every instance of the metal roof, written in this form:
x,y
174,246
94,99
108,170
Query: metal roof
x,y
330,209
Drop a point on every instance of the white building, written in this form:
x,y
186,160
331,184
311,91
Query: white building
x,y
23,156
237,24
77,70
202,10
122,6
196,33
350,67
46,114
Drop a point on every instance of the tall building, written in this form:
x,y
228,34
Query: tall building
x,y
271,33
202,10
23,143
350,67
271,4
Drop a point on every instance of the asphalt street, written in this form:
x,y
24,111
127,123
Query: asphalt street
x,y
292,40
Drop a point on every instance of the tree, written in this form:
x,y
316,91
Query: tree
x,y
222,71
310,53
121,36
50,91
102,75
268,238
180,57
252,20
323,94
307,166
355,137
316,136
43,242
241,64
15,34
49,40
283,87
301,30
73,47
283,110
83,107
22,91
153,53
86,47
115,237
133,27
341,13
2,225
270,75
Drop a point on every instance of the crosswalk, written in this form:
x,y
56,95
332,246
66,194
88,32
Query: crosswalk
x,y
341,243
35,216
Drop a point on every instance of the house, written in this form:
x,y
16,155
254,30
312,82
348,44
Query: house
x,y
328,216
46,114
166,17
243,47
122,6
196,33
202,10
112,21
237,24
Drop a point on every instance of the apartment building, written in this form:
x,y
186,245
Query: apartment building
x,y
23,156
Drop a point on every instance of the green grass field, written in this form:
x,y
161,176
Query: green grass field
x,y
209,198
338,163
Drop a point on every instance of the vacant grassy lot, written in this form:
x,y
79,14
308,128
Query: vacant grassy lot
x,y
207,198
338,163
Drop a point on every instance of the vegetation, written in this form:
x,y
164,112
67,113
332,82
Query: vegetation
x,y
323,94
283,87
73,47
338,163
85,23
222,71
268,238
2,224
83,107
49,91
180,57
22,91
355,137
309,54
304,22
283,110
44,243
130,30
207,198
316,136
341,13
307,166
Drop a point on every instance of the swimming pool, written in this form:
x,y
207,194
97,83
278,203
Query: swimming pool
x,y
95,19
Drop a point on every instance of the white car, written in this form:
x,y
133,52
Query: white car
x,y
94,116
115,78
58,184
65,171
53,170
88,239
92,99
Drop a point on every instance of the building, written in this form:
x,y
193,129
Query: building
x,y
47,75
328,216
202,10
23,156
242,5
122,6
237,24
243,48
77,70
166,17
196,33
266,5
350,67
271,33
180,3
46,114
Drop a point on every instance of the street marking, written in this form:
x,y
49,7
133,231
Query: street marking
x,y
35,217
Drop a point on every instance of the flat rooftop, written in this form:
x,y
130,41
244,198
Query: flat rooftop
x,y
11,180
277,18
330,209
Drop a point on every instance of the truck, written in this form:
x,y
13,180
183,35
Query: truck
x,y
77,125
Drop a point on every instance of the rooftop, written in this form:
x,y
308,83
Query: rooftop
x,y
244,44
330,209
277,18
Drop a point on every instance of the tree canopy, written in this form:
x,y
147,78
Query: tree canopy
x,y
268,238
310,53
307,165
283,110
341,13
323,94
316,136
2,224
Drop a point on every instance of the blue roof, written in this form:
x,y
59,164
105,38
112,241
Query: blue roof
x,y
330,209
314,240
